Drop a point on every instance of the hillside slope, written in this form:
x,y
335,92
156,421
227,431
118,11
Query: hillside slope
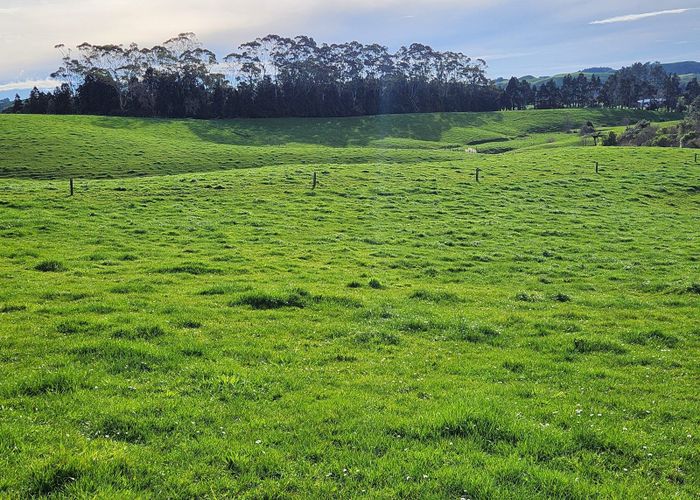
x,y
101,147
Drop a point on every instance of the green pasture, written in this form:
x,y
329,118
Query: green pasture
x,y
203,324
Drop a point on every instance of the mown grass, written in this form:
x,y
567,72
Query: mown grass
x,y
401,331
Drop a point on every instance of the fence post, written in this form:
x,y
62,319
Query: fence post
x,y
314,182
596,167
478,171
71,186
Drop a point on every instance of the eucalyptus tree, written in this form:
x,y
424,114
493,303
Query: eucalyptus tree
x,y
273,76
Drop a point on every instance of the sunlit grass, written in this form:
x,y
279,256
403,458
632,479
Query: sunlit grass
x,y
401,331
97,147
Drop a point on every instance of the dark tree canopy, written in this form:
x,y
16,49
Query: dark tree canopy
x,y
268,77
276,76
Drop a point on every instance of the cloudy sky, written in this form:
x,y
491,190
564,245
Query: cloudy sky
x,y
516,37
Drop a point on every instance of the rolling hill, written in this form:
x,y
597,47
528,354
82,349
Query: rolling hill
x,y
62,146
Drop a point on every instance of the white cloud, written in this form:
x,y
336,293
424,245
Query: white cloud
x,y
636,17
46,84
497,56
31,27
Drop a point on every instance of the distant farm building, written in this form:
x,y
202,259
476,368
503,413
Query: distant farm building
x,y
650,103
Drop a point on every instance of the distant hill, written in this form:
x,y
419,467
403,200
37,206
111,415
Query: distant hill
x,y
682,68
598,70
558,79
686,70
5,103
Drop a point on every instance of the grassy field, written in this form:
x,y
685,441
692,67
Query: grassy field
x,y
98,147
401,331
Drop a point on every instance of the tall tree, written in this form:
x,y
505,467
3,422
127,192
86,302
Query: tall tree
x,y
62,100
692,90
672,91
17,105
38,102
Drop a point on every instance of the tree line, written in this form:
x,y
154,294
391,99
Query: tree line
x,y
268,77
647,85
276,76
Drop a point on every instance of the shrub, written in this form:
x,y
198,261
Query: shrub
x,y
587,129
662,141
610,140
640,134
691,140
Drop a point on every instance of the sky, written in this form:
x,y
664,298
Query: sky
x,y
515,37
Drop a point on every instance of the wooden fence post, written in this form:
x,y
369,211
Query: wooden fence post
x,y
71,186
314,182
478,171
596,167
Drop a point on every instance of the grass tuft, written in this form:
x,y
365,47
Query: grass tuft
x,y
53,478
375,284
655,337
264,301
193,268
487,430
586,346
474,332
514,366
50,266
528,297
10,308
48,383
436,297
143,332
